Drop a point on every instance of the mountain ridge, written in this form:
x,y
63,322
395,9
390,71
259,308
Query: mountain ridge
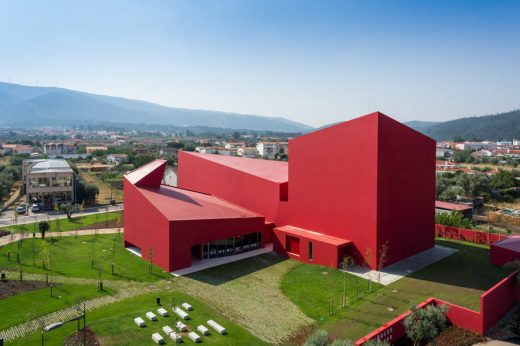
x,y
21,105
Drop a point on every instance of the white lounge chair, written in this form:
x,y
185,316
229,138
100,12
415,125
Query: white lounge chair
x,y
151,316
181,313
187,306
167,330
217,327
176,337
194,337
203,330
139,321
158,338
162,312
181,326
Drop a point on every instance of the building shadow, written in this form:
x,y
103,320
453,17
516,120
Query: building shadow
x,y
469,268
231,271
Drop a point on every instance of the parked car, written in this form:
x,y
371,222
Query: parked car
x,y
21,209
36,208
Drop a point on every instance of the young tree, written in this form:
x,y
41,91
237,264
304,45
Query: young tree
x,y
113,254
367,263
426,323
319,338
69,209
150,259
345,263
383,256
43,226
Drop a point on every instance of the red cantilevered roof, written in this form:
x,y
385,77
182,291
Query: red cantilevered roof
x,y
511,243
276,171
149,175
313,235
180,204
452,206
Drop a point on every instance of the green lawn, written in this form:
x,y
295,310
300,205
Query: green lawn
x,y
33,304
65,224
71,256
114,325
460,278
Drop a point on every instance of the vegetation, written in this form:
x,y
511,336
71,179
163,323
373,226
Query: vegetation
x,y
499,187
454,219
8,176
113,324
39,303
86,192
43,227
321,338
426,323
460,278
72,257
503,126
68,209
73,223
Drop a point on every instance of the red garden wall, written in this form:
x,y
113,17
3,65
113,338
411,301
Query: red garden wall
x,y
469,235
494,304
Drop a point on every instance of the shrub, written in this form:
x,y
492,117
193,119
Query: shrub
x,y
453,218
319,338
426,323
376,342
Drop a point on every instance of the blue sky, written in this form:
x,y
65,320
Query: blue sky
x,y
315,62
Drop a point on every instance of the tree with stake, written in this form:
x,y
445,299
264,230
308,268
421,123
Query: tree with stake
x,y
68,209
367,260
113,254
150,259
383,255
92,237
345,263
57,221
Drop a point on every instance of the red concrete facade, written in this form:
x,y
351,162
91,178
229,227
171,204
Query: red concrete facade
x,y
505,250
347,190
356,181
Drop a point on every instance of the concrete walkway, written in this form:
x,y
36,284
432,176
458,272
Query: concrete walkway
x,y
7,217
14,237
215,262
398,270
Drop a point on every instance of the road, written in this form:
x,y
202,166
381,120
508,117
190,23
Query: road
x,y
7,217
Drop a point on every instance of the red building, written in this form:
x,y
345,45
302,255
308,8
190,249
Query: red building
x,y
348,189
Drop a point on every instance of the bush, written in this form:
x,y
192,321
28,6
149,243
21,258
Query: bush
x,y
318,338
454,219
426,323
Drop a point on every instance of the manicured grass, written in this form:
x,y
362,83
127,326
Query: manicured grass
x,y
71,256
29,305
460,279
113,324
65,224
312,287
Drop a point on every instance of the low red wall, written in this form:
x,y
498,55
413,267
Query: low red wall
x,y
494,304
469,235
497,301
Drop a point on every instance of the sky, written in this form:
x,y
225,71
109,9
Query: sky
x,y
315,62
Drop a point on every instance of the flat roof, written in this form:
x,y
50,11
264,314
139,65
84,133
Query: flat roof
x,y
275,171
50,166
452,206
179,204
324,238
510,243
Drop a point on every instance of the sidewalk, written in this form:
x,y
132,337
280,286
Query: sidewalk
x,y
17,236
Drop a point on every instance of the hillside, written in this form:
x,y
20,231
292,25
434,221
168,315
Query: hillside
x,y
22,106
503,126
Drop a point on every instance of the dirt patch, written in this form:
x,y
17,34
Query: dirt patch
x,y
102,224
77,338
452,336
10,288
458,337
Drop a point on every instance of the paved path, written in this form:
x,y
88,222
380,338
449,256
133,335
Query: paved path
x,y
14,237
7,217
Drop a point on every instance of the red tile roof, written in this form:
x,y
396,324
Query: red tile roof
x,y
452,206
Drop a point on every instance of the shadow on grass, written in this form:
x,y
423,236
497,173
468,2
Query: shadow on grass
x,y
234,270
469,267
